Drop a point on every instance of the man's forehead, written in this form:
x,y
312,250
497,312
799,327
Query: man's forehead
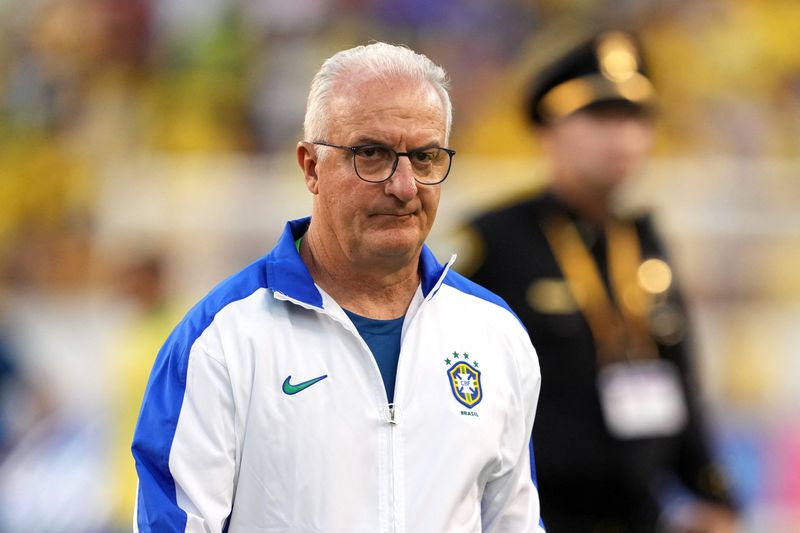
x,y
359,100
357,91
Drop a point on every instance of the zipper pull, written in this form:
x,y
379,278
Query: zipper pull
x,y
392,414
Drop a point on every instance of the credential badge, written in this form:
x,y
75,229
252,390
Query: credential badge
x,y
465,379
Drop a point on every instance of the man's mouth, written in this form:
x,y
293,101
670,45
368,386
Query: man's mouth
x,y
396,215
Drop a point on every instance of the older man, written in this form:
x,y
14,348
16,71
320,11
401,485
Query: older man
x,y
348,382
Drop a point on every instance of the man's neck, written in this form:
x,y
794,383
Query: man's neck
x,y
380,290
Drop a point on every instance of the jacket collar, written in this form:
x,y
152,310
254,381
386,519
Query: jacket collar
x,y
288,275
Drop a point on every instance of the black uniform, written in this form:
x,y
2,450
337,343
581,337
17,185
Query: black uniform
x,y
589,480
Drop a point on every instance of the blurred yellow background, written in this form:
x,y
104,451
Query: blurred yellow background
x,y
147,151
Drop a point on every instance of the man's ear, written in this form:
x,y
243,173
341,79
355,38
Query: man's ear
x,y
307,159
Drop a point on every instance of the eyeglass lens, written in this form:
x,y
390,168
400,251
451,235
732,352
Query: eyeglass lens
x,y
377,163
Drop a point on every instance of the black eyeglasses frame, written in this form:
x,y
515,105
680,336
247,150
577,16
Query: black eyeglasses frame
x,y
354,149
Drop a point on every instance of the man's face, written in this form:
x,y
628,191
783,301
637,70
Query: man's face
x,y
374,221
599,148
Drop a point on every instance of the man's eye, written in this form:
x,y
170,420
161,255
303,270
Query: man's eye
x,y
423,157
373,152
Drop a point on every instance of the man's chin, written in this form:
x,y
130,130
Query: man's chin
x,y
394,243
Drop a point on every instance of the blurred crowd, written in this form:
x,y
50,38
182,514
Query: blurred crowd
x,y
144,149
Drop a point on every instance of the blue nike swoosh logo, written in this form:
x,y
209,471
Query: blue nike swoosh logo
x,y
288,388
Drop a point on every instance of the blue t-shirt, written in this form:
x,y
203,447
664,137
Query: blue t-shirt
x,y
383,339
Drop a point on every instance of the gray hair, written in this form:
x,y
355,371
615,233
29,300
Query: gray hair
x,y
381,59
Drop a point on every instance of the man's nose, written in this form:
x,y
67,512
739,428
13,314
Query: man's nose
x,y
402,184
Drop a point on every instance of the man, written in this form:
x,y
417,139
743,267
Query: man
x,y
619,437
348,382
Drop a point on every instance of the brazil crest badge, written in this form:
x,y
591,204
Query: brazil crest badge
x,y
465,379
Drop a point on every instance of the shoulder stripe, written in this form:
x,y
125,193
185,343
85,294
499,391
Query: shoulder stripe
x,y
457,281
157,508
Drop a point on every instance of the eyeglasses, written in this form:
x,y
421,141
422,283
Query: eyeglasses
x,y
376,163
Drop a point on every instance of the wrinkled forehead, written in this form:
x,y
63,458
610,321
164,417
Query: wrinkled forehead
x,y
363,95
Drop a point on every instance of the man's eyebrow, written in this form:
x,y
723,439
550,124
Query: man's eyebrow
x,y
366,141
426,147
363,141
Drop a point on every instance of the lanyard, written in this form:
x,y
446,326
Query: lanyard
x,y
619,325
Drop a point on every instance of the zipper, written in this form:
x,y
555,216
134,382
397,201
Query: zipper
x,y
392,417
391,412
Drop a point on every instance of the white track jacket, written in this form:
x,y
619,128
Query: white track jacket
x,y
266,412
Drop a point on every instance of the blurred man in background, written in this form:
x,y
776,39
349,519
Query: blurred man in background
x,y
619,438
151,317
336,384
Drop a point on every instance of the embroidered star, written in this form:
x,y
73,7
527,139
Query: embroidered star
x,y
466,356
447,361
455,355
475,363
